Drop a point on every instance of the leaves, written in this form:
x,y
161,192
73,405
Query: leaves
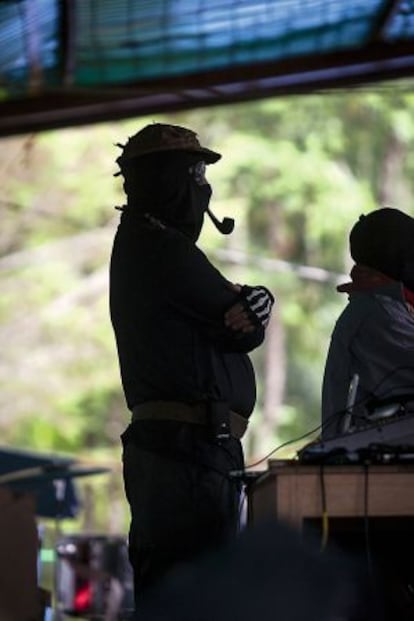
x,y
295,174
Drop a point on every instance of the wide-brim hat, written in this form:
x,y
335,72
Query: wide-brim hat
x,y
159,137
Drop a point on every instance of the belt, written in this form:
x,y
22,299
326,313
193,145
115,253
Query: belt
x,y
196,413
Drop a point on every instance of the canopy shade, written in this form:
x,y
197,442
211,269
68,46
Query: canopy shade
x,y
49,478
68,62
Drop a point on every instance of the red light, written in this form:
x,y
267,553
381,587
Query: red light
x,y
83,598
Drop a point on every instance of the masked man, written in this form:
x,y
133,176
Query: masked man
x,y
183,333
370,360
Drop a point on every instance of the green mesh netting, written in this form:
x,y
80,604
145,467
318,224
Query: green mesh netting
x,y
122,41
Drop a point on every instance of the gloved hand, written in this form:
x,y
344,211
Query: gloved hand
x,y
258,302
252,310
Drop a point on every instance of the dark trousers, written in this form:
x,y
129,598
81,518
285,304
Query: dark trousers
x,y
183,502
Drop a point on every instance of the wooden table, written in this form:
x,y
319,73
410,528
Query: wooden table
x,y
291,491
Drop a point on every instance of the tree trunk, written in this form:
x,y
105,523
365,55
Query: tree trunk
x,y
274,373
391,188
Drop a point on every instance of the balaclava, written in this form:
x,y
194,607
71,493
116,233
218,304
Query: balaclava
x,y
171,187
163,167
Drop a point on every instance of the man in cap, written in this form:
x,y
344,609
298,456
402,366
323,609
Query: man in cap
x,y
371,355
183,332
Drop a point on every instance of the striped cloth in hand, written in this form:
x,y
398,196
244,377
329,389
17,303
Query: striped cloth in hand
x,y
258,302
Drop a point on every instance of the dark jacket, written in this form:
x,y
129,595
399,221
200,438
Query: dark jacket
x,y
167,305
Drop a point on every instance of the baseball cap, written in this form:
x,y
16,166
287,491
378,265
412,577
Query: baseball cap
x,y
162,137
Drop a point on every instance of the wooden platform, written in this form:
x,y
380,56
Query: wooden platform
x,y
292,492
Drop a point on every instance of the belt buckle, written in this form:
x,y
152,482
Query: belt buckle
x,y
219,420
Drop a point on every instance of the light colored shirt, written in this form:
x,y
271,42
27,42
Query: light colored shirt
x,y
374,338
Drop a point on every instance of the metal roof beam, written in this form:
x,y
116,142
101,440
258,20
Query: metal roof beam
x,y
380,23
301,75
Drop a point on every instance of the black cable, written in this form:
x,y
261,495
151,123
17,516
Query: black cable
x,y
330,420
234,475
308,433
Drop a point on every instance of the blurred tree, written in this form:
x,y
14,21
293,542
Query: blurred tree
x,y
301,171
296,172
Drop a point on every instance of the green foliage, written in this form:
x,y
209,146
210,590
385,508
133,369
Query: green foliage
x,y
88,421
295,174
